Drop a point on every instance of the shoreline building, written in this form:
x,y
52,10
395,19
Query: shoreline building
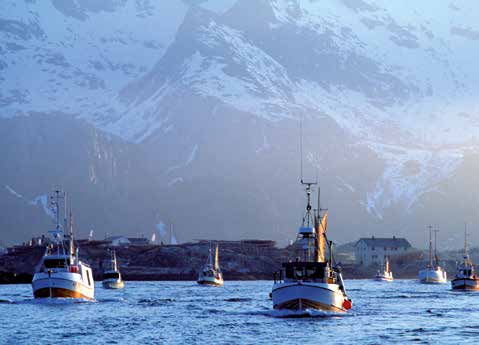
x,y
375,250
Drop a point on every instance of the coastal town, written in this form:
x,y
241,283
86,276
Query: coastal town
x,y
142,259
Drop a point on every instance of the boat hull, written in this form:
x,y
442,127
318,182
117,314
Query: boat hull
x,y
383,279
465,284
210,281
61,285
112,284
301,296
432,276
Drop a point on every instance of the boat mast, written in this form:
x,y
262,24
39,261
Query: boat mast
x,y
216,258
465,241
430,245
210,258
310,218
115,268
72,243
55,202
435,248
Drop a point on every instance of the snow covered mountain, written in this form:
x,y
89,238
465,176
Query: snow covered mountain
x,y
213,91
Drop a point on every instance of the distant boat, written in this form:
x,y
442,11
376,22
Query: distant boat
x,y
61,274
112,276
211,271
311,281
384,273
465,278
433,273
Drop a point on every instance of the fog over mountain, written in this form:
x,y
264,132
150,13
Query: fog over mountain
x,y
188,112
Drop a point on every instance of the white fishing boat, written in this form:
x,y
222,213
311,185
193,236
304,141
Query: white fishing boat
x,y
465,278
384,273
311,282
211,271
60,273
433,273
112,276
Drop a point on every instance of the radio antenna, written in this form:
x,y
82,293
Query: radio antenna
x,y
301,145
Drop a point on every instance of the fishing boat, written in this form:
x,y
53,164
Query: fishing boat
x,y
433,273
211,271
311,281
384,273
112,276
465,278
60,273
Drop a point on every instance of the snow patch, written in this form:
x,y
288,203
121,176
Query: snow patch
x,y
192,155
13,192
175,181
409,174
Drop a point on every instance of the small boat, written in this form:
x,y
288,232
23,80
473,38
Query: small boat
x,y
465,278
60,273
211,272
311,282
384,273
433,273
112,276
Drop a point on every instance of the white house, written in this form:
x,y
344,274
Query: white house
x,y
374,250
118,241
123,241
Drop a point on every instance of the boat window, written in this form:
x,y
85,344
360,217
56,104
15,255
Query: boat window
x,y
305,273
111,275
56,263
88,277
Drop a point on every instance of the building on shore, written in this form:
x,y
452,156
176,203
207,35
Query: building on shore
x,y
374,250
123,241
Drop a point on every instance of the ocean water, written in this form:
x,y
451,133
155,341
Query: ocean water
x,y
239,313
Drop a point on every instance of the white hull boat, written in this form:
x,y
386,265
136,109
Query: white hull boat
x,y
384,273
112,284
433,275
309,295
211,272
311,282
63,285
112,278
209,280
383,277
61,274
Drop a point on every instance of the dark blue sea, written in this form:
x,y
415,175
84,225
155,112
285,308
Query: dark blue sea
x,y
239,313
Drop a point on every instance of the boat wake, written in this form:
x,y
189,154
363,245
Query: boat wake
x,y
60,301
307,313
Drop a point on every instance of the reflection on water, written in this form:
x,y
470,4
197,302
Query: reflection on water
x,y
239,313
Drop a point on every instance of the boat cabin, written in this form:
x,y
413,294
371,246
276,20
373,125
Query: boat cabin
x,y
111,275
307,271
56,262
210,273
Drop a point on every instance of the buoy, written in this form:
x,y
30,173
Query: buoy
x,y
347,304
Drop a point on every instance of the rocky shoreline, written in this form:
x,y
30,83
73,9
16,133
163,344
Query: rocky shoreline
x,y
239,260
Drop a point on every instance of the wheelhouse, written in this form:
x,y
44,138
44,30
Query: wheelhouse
x,y
111,275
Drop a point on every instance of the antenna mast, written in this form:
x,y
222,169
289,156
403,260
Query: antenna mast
x,y
465,239
435,246
301,146
430,245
